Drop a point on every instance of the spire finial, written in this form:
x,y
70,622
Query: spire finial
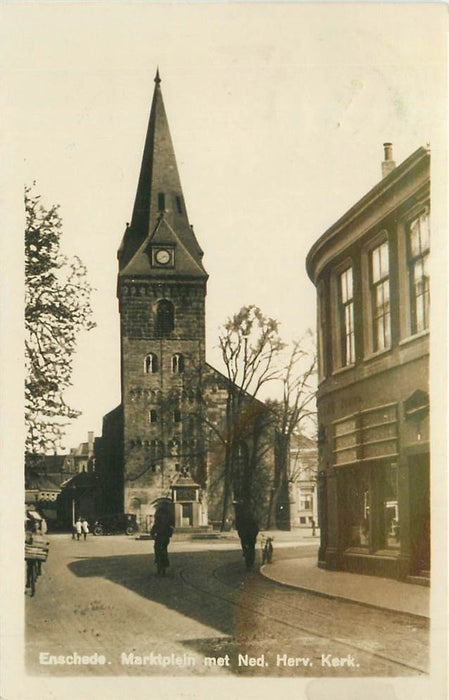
x,y
157,79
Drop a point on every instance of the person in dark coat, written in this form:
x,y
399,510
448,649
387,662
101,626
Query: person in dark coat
x,y
248,530
161,531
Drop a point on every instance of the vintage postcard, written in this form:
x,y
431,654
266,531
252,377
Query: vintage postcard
x,y
224,328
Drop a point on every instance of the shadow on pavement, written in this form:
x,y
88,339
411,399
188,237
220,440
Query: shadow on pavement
x,y
193,586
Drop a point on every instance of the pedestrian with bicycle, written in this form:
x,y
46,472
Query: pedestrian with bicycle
x,y
247,529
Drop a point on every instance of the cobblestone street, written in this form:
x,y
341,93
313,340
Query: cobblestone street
x,y
208,616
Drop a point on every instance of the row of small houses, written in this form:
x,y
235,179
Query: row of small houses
x,y
62,487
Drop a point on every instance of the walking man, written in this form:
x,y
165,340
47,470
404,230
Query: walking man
x,y
248,530
162,530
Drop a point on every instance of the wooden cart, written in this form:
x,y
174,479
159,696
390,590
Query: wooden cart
x,y
36,552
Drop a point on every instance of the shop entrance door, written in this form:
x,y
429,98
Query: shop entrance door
x,y
420,514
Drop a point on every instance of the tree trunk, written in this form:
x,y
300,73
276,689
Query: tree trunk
x,y
281,479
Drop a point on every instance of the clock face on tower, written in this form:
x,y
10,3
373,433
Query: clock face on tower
x,y
163,257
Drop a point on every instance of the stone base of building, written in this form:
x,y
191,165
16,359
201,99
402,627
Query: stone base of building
x,y
386,565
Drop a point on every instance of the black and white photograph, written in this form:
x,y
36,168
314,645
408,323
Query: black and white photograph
x,y
223,314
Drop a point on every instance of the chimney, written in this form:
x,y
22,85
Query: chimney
x,y
388,164
90,443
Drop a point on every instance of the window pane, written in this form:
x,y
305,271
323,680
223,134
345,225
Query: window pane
x,y
425,232
419,290
375,264
380,294
346,285
346,317
383,253
415,246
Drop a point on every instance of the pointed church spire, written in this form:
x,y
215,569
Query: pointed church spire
x,y
159,195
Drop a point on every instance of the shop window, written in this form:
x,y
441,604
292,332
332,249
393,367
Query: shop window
x,y
418,265
151,363
177,363
302,520
380,297
165,317
389,513
358,507
346,317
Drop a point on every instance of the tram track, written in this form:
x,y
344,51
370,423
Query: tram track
x,y
287,623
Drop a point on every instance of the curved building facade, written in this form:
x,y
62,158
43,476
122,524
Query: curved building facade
x,y
370,270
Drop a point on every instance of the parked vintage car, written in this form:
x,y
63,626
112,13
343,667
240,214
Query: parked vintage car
x,y
117,524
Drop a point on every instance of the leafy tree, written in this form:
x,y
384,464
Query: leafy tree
x,y
236,437
294,412
57,308
250,344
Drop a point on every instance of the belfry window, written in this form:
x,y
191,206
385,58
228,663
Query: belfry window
x,y
177,363
151,363
165,317
161,201
178,204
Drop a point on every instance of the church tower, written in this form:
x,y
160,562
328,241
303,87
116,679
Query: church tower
x,y
161,292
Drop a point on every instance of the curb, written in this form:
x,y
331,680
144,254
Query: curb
x,y
332,596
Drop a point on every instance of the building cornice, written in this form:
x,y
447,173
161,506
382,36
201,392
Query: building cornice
x,y
369,202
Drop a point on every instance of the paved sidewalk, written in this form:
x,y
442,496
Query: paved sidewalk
x,y
388,594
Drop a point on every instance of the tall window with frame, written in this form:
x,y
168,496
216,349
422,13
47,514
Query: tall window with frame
x,y
346,317
380,297
418,265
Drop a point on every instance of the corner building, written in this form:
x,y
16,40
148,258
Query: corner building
x,y
370,270
157,443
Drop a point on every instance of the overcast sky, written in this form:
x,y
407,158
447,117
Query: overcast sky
x,y
277,113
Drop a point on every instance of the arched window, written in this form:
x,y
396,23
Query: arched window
x,y
177,363
165,317
151,363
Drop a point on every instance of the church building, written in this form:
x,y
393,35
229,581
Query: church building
x,y
158,443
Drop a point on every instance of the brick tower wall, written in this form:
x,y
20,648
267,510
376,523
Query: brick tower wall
x,y
153,449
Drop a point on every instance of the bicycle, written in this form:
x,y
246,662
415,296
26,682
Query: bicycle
x,y
267,550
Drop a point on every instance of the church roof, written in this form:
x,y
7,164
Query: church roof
x,y
159,215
